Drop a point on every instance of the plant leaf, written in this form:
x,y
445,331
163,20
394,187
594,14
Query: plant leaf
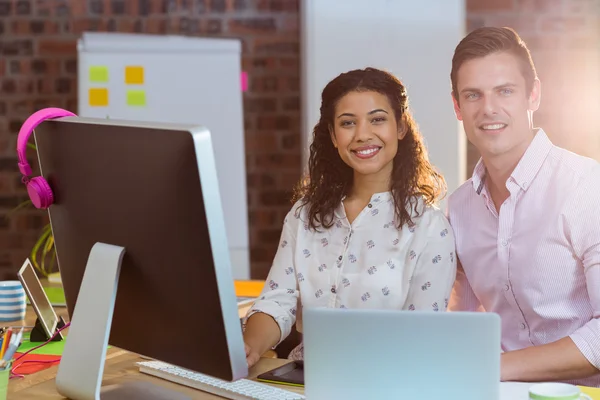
x,y
46,231
22,205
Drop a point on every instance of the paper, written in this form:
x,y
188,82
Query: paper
x,y
244,79
98,97
56,296
52,348
594,393
136,98
98,73
134,75
43,362
248,288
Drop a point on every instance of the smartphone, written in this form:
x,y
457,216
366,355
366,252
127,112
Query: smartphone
x,y
291,374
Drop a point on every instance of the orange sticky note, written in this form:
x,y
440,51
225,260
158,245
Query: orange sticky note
x,y
134,75
98,97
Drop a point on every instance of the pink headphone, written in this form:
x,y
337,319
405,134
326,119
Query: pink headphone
x,y
38,189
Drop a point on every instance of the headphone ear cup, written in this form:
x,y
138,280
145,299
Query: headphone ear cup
x,y
40,193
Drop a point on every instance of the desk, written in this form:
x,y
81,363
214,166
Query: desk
x,y
119,368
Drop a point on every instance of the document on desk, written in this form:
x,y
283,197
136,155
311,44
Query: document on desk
x,y
514,390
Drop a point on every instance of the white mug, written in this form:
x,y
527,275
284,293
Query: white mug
x,y
556,391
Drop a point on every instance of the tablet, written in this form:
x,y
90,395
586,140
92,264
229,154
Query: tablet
x,y
289,374
38,299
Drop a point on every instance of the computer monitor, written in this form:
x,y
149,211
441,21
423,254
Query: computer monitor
x,y
137,210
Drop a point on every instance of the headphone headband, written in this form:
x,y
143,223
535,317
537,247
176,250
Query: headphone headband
x,y
27,129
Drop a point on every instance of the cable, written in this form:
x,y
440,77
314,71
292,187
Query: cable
x,y
12,371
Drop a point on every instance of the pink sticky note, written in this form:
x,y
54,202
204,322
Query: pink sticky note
x,y
244,81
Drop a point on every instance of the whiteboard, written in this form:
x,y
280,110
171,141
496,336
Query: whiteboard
x,y
414,40
176,79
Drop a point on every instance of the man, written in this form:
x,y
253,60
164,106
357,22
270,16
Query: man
x,y
527,223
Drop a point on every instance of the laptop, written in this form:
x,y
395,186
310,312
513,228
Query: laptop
x,y
386,354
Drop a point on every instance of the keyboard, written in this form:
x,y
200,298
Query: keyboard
x,y
242,389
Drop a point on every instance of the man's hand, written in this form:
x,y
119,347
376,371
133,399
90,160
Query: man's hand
x,y
557,361
252,357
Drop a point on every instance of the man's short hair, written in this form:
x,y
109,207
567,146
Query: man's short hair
x,y
488,40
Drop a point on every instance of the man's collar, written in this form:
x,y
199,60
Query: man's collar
x,y
527,168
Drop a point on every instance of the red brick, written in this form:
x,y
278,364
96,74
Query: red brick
x,y
264,255
289,180
277,5
564,24
6,178
290,63
540,6
582,7
88,24
261,142
489,5
289,24
45,86
11,240
264,218
54,47
277,160
156,25
260,104
542,42
582,43
242,26
525,23
273,198
278,45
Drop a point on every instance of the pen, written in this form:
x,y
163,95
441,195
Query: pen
x,y
5,342
15,342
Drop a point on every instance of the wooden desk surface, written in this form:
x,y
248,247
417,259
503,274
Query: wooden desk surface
x,y
119,369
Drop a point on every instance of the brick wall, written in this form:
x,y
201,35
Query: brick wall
x,y
564,39
38,66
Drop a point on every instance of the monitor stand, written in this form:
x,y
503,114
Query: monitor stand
x,y
81,367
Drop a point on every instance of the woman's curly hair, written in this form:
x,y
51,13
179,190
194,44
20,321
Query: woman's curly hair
x,y
330,178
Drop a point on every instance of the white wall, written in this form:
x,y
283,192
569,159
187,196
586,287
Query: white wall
x,y
414,40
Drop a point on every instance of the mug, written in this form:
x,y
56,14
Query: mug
x,y
13,301
4,377
556,391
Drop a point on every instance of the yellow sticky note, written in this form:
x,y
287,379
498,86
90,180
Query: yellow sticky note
x,y
136,98
98,74
134,75
98,97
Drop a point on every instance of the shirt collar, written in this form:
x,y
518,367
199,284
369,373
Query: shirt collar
x,y
526,169
531,162
377,199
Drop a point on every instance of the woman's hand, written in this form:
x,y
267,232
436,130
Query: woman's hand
x,y
252,356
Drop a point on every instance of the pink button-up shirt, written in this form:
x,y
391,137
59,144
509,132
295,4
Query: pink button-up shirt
x,y
537,262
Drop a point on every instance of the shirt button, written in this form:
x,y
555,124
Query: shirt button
x,y
504,242
340,258
506,288
332,289
370,205
523,326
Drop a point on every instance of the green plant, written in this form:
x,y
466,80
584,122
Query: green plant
x,y
43,253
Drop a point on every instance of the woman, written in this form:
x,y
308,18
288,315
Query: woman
x,y
364,231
